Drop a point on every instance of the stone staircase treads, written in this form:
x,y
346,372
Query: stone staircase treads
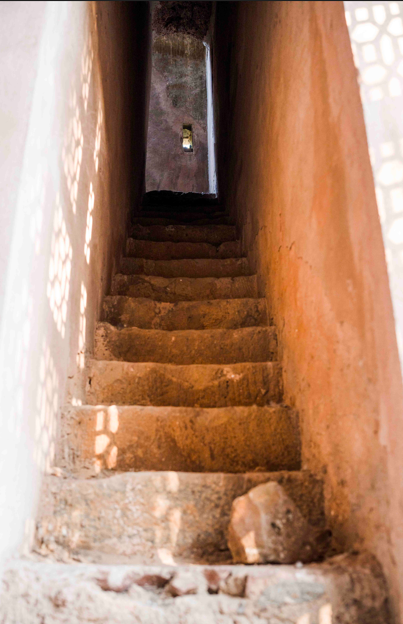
x,y
196,385
172,251
149,314
347,589
141,514
186,346
188,439
213,234
184,288
160,218
203,208
188,267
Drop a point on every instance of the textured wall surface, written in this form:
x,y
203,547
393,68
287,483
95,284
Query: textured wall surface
x,y
70,135
178,96
296,175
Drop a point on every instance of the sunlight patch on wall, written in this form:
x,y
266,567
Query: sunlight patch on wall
x,y
72,153
98,136
376,32
59,270
82,329
86,71
47,403
88,228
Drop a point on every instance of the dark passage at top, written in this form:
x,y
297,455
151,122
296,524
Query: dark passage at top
x,y
178,98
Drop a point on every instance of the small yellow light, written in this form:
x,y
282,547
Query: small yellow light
x,y
187,138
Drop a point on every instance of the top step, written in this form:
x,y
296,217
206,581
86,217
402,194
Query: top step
x,y
213,234
168,200
159,217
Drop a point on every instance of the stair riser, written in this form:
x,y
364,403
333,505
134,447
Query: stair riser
x,y
185,288
149,314
196,267
161,219
214,209
209,346
214,235
141,514
237,439
123,383
172,251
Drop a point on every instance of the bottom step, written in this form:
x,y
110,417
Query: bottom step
x,y
156,517
347,589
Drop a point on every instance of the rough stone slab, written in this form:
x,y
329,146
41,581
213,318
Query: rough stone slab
x,y
266,526
184,288
189,267
141,515
197,385
213,234
226,439
171,251
217,313
346,589
187,346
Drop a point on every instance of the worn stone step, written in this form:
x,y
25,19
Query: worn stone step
x,y
185,288
190,267
347,589
160,218
217,313
185,346
196,385
188,439
212,234
139,515
172,251
184,213
179,207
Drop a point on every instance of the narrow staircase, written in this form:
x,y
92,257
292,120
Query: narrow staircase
x,y
184,413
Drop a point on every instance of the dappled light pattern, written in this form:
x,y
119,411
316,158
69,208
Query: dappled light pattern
x,y
72,153
98,137
59,270
47,404
168,531
106,451
86,71
82,329
376,32
88,229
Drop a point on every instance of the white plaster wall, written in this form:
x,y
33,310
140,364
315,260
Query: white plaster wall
x,y
376,32
63,214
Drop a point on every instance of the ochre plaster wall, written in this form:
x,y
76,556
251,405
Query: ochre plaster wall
x,y
294,170
76,134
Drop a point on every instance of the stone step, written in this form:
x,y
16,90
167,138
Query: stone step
x,y
188,439
191,267
212,234
217,313
347,589
140,515
178,207
186,346
160,218
185,288
196,385
174,251
186,215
